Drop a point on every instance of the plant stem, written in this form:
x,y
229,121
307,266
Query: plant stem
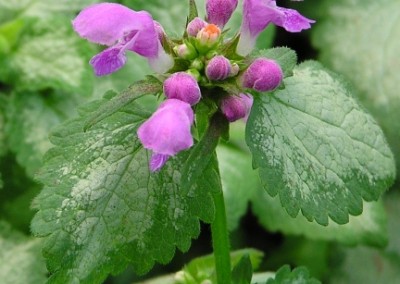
x,y
220,239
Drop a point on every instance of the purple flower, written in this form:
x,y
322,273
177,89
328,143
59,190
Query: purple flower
x,y
257,14
236,107
121,29
167,131
220,11
160,31
218,68
195,26
262,75
182,86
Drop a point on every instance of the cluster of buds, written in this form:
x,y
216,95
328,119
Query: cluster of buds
x,y
204,68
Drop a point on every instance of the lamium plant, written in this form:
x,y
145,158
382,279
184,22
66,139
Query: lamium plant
x,y
127,186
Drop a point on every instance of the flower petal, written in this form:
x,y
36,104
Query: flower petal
x,y
220,11
107,23
293,21
257,14
167,131
157,161
108,61
162,62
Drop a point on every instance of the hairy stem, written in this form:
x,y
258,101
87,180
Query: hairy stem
x,y
220,239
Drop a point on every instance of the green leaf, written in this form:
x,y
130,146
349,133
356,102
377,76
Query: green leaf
x,y
40,8
3,147
359,39
368,228
20,258
370,266
133,92
265,38
299,275
317,148
243,271
204,110
50,56
193,13
285,57
11,32
367,266
203,151
239,182
101,208
203,268
165,279
392,201
262,277
30,117
17,195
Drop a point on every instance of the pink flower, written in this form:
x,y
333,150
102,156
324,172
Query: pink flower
x,y
236,107
220,11
262,75
121,29
182,86
167,131
257,14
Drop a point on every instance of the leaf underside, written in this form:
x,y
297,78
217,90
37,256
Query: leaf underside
x,y
317,148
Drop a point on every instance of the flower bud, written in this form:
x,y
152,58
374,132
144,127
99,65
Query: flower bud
x,y
182,86
167,131
236,107
235,69
185,51
218,68
220,11
197,64
195,26
208,36
262,75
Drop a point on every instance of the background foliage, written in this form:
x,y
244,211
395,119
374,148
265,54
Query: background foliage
x,y
44,78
